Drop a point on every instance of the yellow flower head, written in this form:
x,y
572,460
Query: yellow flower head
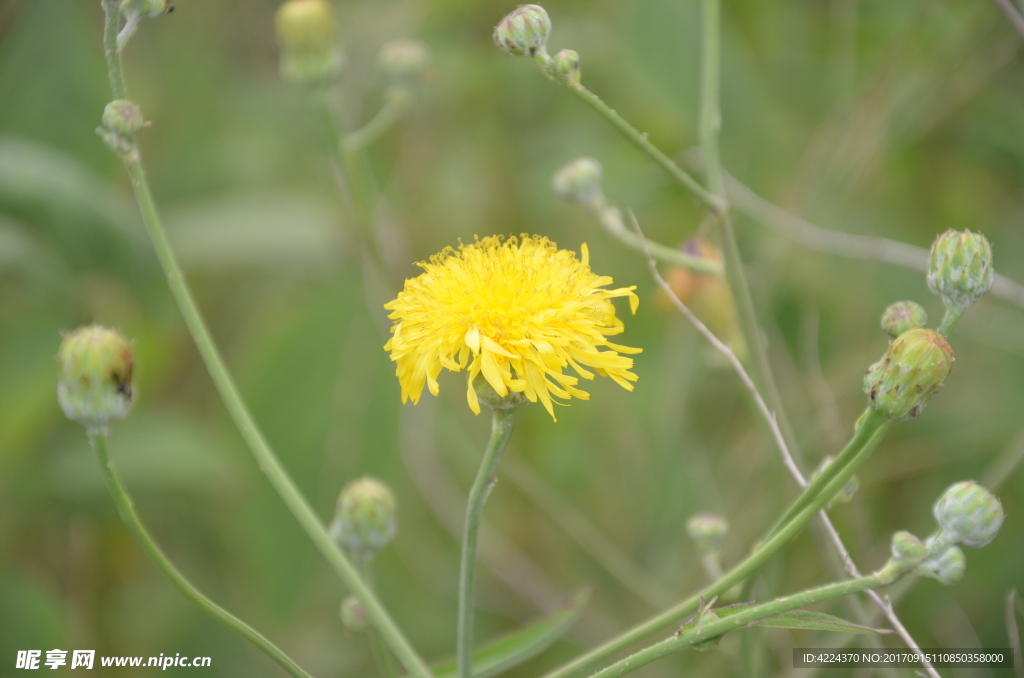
x,y
517,311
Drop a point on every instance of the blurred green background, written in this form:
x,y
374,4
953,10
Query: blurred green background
x,y
899,119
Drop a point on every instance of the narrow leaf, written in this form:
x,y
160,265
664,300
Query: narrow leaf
x,y
818,621
518,647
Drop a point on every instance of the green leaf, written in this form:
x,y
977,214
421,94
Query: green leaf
x,y
818,621
514,649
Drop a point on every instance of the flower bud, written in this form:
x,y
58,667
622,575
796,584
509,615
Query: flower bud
x,y
846,492
123,117
960,268
524,31
911,372
307,34
567,66
708,531
903,316
969,514
948,567
579,181
908,549
353,615
94,376
150,9
403,61
366,516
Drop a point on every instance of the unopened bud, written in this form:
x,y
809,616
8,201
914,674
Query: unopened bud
x,y
94,376
911,372
366,516
846,492
403,61
524,31
908,549
969,514
123,117
903,316
960,268
708,531
567,66
948,567
307,34
353,615
579,181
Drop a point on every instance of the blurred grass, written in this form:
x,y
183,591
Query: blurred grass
x,y
898,119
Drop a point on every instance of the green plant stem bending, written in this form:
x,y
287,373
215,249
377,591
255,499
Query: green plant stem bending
x,y
126,509
396,102
265,456
610,217
870,433
736,621
501,429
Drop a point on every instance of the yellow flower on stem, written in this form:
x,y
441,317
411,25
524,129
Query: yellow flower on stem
x,y
515,311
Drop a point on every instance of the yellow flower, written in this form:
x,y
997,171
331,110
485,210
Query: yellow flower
x,y
517,311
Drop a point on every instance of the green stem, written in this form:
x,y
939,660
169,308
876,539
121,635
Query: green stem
x,y
395,104
610,218
126,508
710,124
644,144
772,544
501,429
112,24
381,655
866,427
736,621
265,456
950,319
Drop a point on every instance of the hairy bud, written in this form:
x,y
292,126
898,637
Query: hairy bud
x,y
948,567
960,268
366,516
149,9
307,34
94,376
567,66
903,316
353,615
403,61
708,531
969,514
579,181
911,372
907,548
122,120
524,31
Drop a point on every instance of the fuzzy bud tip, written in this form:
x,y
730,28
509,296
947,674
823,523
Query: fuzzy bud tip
x,y
579,181
403,60
969,514
707,530
911,372
948,567
94,376
960,268
366,516
307,33
903,316
353,615
524,31
567,66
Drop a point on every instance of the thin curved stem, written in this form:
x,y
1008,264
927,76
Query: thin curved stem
x,y
250,432
395,104
644,144
878,428
112,24
610,217
501,429
131,519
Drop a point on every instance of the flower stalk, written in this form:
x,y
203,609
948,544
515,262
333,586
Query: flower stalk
x,y
250,432
501,429
131,519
